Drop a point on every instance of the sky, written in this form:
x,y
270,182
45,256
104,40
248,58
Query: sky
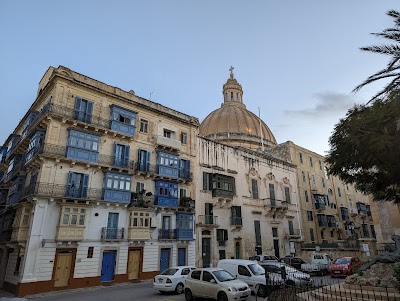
x,y
297,61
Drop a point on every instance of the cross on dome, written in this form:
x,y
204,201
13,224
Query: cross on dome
x,y
231,70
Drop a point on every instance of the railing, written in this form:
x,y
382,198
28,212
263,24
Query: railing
x,y
146,167
115,161
208,220
184,234
166,234
142,200
16,169
222,193
65,191
112,233
274,203
187,175
169,142
236,221
186,203
323,245
292,232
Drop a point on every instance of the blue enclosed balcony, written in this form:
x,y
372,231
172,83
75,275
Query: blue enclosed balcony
x,y
184,225
166,201
166,194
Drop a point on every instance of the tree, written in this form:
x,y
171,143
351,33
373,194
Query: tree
x,y
392,69
365,148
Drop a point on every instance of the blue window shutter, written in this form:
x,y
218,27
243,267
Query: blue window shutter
x,y
147,160
187,167
126,155
77,107
85,185
116,159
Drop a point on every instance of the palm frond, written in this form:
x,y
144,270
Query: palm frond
x,y
373,78
394,35
383,49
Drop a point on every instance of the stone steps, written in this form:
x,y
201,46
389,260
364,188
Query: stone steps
x,y
340,292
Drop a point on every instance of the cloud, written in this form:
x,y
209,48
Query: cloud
x,y
328,104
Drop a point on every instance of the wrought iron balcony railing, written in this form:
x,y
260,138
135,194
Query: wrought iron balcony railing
x,y
166,234
146,167
112,233
292,232
236,221
64,191
208,220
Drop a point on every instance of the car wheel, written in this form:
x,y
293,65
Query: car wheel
x,y
290,283
188,294
179,288
261,291
222,297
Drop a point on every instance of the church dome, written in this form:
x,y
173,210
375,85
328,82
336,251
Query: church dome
x,y
233,124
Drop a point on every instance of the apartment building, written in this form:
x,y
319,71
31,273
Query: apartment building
x,y
96,186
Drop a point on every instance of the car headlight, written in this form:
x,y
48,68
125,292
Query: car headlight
x,y
232,289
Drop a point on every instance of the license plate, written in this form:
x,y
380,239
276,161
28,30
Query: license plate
x,y
336,272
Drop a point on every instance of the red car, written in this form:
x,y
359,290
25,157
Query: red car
x,y
344,266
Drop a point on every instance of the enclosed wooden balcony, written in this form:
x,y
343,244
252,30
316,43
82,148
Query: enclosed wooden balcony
x,y
139,234
70,233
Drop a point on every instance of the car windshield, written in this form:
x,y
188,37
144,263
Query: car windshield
x,y
223,276
170,271
342,261
256,269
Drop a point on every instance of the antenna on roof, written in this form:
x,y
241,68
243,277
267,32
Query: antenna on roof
x,y
262,139
151,94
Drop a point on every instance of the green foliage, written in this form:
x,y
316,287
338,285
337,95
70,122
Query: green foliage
x,y
396,274
392,50
365,148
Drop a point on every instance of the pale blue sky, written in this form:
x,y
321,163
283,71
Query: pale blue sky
x,y
296,60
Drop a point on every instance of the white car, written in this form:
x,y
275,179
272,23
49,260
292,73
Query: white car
x,y
172,279
216,284
294,277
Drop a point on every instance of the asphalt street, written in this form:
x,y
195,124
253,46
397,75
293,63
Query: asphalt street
x,y
129,292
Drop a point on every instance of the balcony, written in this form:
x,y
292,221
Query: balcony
x,y
353,211
275,207
140,234
166,201
319,206
142,200
223,194
236,221
184,234
62,191
15,171
166,234
362,214
167,142
332,225
186,204
70,233
112,234
292,233
20,234
208,221
322,224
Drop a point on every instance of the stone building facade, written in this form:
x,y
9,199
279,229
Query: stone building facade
x,y
97,185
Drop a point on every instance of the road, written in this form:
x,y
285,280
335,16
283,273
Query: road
x,y
130,292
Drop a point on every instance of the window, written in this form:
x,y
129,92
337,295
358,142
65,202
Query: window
x,y
83,110
254,188
118,181
81,144
339,193
73,216
207,277
139,187
287,195
257,230
138,219
21,254
222,235
274,232
303,175
306,195
236,215
167,134
144,126
123,120
320,164
168,160
271,191
182,192
347,187
326,173
143,163
322,234
312,235
90,252
77,185
373,231
242,270
301,158
196,275
310,216
365,230
311,162
167,189
183,138
121,155
332,233
222,254
185,271
11,166
313,179
330,192
122,117
323,182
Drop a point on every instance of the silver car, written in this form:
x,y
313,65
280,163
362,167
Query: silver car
x,y
294,277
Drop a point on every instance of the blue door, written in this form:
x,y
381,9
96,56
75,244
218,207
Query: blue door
x,y
181,256
164,259
108,266
112,225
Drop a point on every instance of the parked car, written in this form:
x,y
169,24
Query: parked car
x,y
253,274
294,277
320,264
295,262
264,258
172,279
345,266
216,284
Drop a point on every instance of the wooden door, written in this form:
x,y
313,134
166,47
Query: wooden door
x,y
63,268
134,264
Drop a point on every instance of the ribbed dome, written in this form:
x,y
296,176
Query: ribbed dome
x,y
233,123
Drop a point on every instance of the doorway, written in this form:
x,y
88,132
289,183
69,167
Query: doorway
x,y
181,256
276,248
206,249
63,267
164,259
108,266
134,261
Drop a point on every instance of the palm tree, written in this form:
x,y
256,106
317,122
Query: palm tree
x,y
392,69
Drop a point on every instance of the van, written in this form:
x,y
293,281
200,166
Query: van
x,y
252,273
